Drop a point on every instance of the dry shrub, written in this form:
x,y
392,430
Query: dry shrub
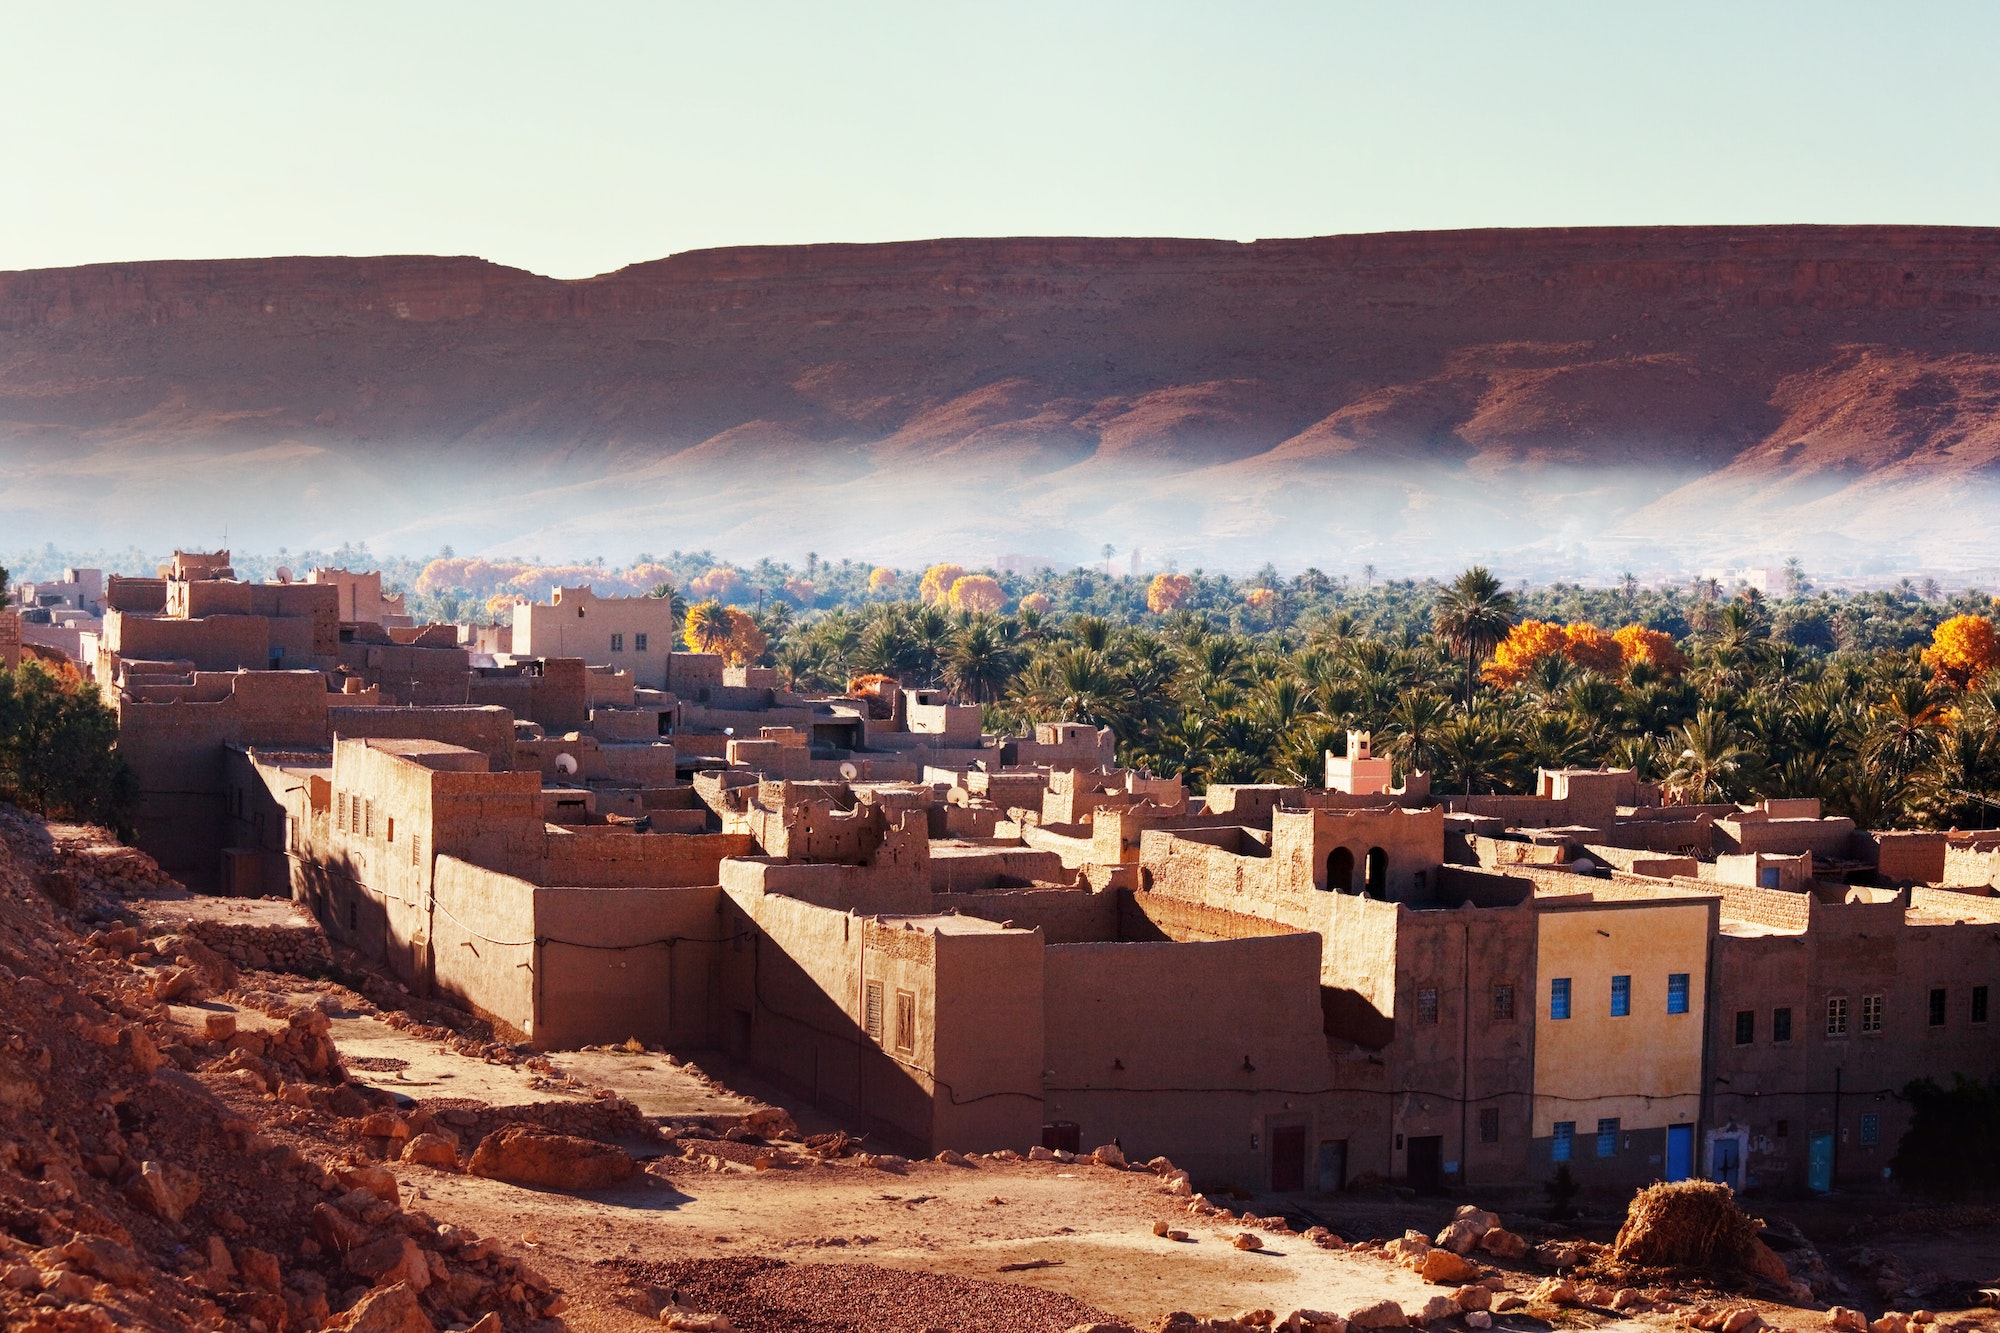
x,y
1688,1224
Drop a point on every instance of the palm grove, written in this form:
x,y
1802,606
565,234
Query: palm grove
x,y
1880,704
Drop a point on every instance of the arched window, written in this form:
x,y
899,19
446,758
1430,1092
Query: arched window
x,y
1340,871
1377,871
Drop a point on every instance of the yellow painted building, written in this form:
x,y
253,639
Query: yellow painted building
x,y
1619,1018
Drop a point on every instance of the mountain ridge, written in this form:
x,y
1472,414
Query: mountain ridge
x,y
1033,373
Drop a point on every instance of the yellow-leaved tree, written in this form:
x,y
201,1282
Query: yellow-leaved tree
x,y
707,627
1526,644
937,583
1963,650
881,577
1167,592
1592,649
977,592
1652,646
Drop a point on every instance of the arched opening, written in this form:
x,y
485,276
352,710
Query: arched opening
x,y
1376,870
1340,871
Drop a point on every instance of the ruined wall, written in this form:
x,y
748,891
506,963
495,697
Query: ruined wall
x,y
1064,916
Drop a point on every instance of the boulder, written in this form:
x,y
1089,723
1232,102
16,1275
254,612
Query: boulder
x,y
433,1150
1109,1154
164,1190
1553,1291
1435,1309
1504,1244
385,1310
1446,1268
176,983
530,1155
392,1259
140,1051
1473,1297
1382,1314
1478,1320
1742,1319
218,1027
1845,1320
335,1230
105,1258
1247,1240
260,1269
385,1125
379,1181
1313,1321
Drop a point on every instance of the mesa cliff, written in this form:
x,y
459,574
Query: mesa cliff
x,y
1788,364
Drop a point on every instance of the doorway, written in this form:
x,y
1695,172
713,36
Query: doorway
x,y
1062,1136
1725,1162
1288,1158
1332,1166
1680,1152
1819,1164
1377,871
1340,871
1426,1164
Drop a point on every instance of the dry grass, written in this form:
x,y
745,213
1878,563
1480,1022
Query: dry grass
x,y
1690,1224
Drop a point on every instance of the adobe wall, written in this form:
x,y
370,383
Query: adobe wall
x,y
1970,866
625,962
487,730
1186,1050
968,869
217,643
145,597
1159,917
176,753
607,860
1903,855
838,887
1305,843
485,943
1826,839
1063,916
988,1032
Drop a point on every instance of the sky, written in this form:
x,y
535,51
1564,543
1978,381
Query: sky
x,y
573,139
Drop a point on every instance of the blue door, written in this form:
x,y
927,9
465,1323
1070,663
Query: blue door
x,y
1680,1151
1819,1163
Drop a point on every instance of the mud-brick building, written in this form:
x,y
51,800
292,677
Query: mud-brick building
x,y
1826,1005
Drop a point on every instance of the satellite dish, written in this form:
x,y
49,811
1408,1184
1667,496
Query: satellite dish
x,y
284,574
729,731
566,765
850,772
1583,865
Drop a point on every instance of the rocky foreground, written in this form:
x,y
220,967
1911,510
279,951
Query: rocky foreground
x,y
184,1145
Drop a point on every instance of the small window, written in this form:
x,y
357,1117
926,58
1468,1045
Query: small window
x,y
1621,997
872,1017
1784,1129
1871,1130
1489,1124
392,828
1427,1004
368,818
1677,992
1746,1026
618,643
1871,1013
1979,1004
1938,996
1503,1004
1781,1024
1565,1136
340,812
1607,1137
638,643
906,1021
1559,997
1836,1016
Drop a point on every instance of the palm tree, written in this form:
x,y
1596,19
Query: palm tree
x,y
1474,751
710,627
1474,613
1414,724
1708,762
1904,732
979,663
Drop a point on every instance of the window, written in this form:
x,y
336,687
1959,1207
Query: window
x,y
1871,1013
871,1018
1427,1005
638,643
1489,1124
1979,1004
1621,997
392,828
1607,1137
906,1021
368,819
618,643
1677,992
1746,1026
340,812
1503,1004
1937,1006
417,849
1784,1130
1559,1147
1559,997
1871,1130
1781,1024
1836,1016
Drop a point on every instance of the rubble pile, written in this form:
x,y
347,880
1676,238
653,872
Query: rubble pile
x,y
149,1172
301,949
1692,1228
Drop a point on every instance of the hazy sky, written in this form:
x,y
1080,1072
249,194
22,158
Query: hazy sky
x,y
574,138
